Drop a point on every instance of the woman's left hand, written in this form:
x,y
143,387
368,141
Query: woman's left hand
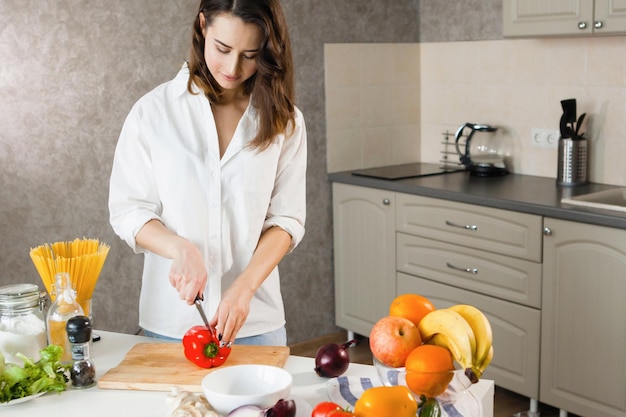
x,y
235,305
231,313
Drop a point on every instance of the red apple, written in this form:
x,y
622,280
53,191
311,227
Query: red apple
x,y
392,339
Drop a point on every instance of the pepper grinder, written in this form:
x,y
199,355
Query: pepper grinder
x,y
83,371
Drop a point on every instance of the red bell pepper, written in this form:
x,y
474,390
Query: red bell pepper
x,y
203,349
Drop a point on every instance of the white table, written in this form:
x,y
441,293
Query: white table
x,y
109,352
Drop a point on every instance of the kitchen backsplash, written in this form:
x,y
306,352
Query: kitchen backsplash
x,y
372,104
516,85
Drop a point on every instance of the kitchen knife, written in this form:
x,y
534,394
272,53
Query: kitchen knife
x,y
201,311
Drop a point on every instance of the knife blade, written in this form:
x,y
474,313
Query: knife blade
x,y
201,311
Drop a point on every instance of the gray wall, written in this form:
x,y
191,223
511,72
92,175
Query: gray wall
x,y
69,72
467,20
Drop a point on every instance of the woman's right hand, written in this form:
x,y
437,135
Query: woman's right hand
x,y
188,272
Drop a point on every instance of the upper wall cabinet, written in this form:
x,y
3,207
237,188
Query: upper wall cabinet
x,y
528,18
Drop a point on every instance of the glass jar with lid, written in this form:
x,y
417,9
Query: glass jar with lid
x,y
22,322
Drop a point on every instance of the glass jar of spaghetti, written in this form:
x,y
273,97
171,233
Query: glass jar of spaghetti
x,y
22,322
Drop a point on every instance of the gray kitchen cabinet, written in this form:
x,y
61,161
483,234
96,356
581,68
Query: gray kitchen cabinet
x,y
583,354
530,18
364,255
491,258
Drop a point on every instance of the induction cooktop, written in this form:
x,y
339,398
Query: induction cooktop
x,y
416,169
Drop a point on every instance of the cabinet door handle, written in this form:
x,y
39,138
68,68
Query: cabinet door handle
x,y
460,226
582,25
386,201
598,24
547,231
456,268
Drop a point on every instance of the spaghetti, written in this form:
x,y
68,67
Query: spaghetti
x,y
83,259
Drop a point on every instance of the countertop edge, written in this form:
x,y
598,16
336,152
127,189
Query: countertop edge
x,y
538,195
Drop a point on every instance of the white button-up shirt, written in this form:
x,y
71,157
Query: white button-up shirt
x,y
167,166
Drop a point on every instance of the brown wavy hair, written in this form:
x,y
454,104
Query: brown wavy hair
x,y
272,86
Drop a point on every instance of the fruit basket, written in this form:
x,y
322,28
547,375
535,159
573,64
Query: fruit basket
x,y
446,386
436,353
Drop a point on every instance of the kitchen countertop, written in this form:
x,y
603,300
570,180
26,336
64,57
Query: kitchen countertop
x,y
109,352
516,192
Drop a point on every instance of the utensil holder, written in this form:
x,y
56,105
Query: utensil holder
x,y
572,166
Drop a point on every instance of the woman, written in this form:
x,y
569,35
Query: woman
x,y
208,178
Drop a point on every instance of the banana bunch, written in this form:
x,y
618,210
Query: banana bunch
x,y
466,332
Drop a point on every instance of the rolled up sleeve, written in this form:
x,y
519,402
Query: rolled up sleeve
x,y
287,208
133,196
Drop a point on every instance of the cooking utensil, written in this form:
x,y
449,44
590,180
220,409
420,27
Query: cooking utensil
x,y
569,108
565,130
579,123
569,113
201,311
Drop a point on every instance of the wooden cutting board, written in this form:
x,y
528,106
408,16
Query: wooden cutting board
x,y
161,366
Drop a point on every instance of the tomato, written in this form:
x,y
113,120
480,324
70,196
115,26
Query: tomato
x,y
330,409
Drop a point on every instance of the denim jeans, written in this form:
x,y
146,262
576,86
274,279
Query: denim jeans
x,y
276,338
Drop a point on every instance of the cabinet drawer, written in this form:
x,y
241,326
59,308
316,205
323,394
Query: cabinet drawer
x,y
516,331
499,276
494,230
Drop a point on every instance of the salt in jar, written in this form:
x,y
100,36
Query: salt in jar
x,y
22,322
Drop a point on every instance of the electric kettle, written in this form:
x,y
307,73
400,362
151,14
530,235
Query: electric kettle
x,y
482,155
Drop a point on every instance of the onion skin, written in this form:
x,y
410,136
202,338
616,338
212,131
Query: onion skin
x,y
332,359
283,408
247,411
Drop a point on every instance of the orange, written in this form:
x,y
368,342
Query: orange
x,y
411,306
429,370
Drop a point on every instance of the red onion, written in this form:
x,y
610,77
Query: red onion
x,y
332,359
283,408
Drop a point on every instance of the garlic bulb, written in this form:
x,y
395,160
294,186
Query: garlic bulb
x,y
188,404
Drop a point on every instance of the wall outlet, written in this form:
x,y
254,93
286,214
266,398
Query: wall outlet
x,y
544,138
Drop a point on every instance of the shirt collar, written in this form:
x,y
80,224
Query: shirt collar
x,y
180,88
180,82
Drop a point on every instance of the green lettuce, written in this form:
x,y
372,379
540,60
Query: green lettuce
x,y
48,374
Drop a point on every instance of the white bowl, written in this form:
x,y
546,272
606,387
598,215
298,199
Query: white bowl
x,y
237,385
